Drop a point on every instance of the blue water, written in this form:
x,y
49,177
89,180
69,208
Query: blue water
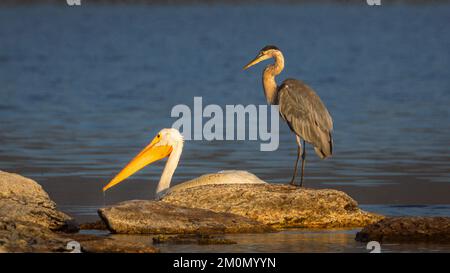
x,y
84,89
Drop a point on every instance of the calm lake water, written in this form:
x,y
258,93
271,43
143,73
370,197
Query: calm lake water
x,y
287,241
292,241
84,89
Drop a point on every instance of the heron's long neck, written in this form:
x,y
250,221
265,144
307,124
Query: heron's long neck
x,y
269,83
170,167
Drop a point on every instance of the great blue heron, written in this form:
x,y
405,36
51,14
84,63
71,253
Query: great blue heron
x,y
169,143
299,106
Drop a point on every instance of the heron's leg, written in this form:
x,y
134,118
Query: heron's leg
x,y
299,151
296,165
303,163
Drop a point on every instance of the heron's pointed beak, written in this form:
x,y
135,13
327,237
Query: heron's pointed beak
x,y
256,60
148,155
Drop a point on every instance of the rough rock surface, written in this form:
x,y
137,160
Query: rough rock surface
x,y
29,237
407,229
20,236
28,218
280,206
22,199
29,222
155,217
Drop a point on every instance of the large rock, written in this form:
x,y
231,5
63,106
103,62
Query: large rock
x,y
22,199
20,236
28,218
155,217
29,222
28,237
280,206
407,229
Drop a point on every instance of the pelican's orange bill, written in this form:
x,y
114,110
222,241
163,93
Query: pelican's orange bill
x,y
148,155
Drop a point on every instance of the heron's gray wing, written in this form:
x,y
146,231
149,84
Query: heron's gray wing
x,y
306,115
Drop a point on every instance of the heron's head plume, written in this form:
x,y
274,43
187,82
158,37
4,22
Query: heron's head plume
x,y
265,53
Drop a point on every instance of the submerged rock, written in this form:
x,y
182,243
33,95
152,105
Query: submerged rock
x,y
97,225
201,239
408,230
280,206
102,244
154,217
22,199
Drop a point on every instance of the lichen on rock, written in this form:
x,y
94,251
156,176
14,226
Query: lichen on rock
x,y
280,206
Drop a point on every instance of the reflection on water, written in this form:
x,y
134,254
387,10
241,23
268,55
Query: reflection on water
x,y
83,90
285,241
295,241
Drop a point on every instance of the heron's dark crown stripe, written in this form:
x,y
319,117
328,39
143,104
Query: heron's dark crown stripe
x,y
270,47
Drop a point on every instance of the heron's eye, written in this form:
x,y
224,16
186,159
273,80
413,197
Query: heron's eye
x,y
158,136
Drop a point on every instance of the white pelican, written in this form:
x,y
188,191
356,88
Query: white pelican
x,y
169,143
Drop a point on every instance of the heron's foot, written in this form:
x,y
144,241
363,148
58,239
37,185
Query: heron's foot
x,y
301,184
292,183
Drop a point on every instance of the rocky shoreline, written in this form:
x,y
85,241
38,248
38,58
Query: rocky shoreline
x,y
30,222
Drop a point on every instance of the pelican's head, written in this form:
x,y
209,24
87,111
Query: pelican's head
x,y
266,53
160,147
